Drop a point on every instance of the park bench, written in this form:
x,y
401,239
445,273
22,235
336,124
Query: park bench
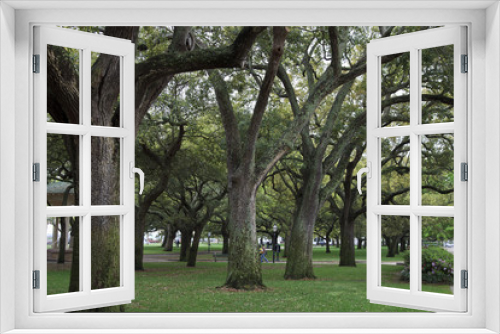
x,y
219,255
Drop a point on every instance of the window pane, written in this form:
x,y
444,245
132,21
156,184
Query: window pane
x,y
105,90
63,245
437,170
105,171
437,254
395,253
437,84
105,250
63,170
63,79
395,84
395,169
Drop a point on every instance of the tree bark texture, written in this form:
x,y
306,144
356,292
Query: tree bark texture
x,y
245,173
74,279
185,244
169,244
62,240
164,240
288,237
140,225
328,243
244,267
299,257
347,247
225,238
193,251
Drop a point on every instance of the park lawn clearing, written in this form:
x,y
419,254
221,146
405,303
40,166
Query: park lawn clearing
x,y
319,252
171,287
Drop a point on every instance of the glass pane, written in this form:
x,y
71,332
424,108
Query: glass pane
x,y
63,85
62,170
106,72
437,254
437,170
105,252
395,170
105,171
437,84
395,85
395,250
63,245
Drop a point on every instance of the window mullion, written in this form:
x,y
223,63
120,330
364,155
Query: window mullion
x,y
414,169
86,164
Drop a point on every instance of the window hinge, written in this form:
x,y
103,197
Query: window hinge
x,y
36,279
465,279
464,173
465,63
36,63
36,172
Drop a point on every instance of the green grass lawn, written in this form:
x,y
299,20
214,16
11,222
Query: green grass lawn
x,y
172,287
319,253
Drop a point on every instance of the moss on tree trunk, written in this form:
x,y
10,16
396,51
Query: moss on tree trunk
x,y
244,267
299,263
299,256
105,230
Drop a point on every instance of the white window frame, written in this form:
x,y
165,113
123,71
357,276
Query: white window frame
x,y
85,43
483,20
413,43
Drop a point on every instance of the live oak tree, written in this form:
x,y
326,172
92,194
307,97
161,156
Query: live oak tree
x,y
245,172
318,157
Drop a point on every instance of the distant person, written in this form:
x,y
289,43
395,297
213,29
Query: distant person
x,y
263,253
177,242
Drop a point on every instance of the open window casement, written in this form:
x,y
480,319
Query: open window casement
x,y
417,144
83,170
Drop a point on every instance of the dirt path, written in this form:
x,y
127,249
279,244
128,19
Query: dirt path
x,y
205,257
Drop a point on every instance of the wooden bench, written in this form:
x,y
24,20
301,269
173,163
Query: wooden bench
x,y
219,255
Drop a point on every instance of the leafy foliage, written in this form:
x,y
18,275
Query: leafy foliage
x,y
437,266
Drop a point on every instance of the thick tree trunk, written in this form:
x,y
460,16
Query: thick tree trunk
x,y
328,241
164,240
299,256
74,279
347,230
185,245
347,249
105,230
62,240
225,244
244,267
169,244
193,251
